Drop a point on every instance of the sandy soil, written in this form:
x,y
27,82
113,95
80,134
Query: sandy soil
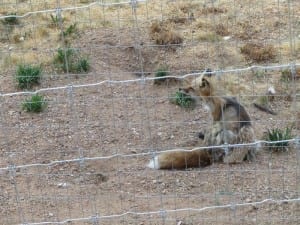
x,y
92,143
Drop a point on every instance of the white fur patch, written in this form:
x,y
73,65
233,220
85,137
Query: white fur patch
x,y
271,90
154,164
206,107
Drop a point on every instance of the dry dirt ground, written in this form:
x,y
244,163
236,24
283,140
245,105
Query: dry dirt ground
x,y
85,155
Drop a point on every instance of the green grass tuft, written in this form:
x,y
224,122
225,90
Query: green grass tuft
x,y
160,74
83,65
56,20
183,100
279,135
72,29
28,75
34,104
70,60
11,20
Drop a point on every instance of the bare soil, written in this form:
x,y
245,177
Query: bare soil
x,y
85,156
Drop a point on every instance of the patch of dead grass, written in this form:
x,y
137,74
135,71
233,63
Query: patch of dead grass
x,y
213,10
246,30
258,52
164,34
209,36
221,30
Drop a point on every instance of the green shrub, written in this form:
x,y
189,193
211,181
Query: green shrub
x,y
183,100
70,60
83,65
55,20
28,75
35,104
279,135
11,20
160,74
72,29
63,58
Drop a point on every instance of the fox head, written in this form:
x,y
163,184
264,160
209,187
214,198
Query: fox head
x,y
200,86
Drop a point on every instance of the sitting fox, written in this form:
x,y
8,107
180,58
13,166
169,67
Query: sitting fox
x,y
231,125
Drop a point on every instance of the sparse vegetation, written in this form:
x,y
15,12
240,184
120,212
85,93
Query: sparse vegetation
x,y
278,134
286,75
213,10
70,60
71,30
259,74
164,34
56,20
258,52
161,73
34,104
83,65
183,100
11,20
28,75
209,37
221,30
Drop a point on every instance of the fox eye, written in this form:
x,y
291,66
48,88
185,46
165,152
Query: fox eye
x,y
204,83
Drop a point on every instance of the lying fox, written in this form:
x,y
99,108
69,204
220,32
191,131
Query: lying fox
x,y
231,125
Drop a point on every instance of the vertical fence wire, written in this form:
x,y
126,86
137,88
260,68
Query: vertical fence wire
x,y
162,204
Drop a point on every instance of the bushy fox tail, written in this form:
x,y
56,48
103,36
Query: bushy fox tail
x,y
181,159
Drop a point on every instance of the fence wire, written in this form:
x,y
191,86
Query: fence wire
x,y
83,159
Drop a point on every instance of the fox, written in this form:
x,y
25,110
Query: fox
x,y
231,124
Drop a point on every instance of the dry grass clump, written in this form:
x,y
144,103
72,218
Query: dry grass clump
x,y
182,12
213,10
246,30
209,37
221,30
164,34
258,52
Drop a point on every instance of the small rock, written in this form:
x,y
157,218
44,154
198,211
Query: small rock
x,y
11,113
248,200
62,185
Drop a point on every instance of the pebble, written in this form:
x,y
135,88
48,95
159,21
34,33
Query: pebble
x,y
62,185
248,200
226,38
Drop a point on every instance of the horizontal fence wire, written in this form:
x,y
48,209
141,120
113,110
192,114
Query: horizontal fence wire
x,y
162,212
93,4
257,144
144,79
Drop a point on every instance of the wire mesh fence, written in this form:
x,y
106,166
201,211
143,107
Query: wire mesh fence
x,y
107,75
